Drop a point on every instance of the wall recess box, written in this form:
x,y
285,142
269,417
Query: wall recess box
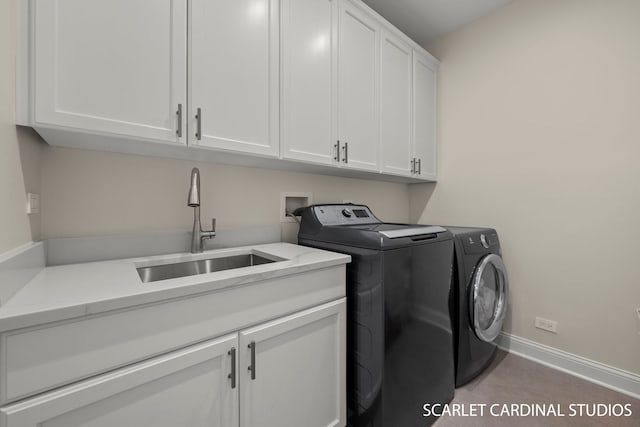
x,y
289,202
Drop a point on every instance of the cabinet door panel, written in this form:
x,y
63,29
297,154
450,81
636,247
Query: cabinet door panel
x,y
357,87
309,60
425,78
97,69
299,370
189,387
395,104
234,74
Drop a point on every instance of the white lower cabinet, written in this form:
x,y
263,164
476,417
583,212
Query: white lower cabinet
x,y
293,370
286,372
189,387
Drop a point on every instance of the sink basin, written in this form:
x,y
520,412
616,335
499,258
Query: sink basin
x,y
202,266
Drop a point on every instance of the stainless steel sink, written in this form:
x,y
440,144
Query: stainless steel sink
x,y
191,268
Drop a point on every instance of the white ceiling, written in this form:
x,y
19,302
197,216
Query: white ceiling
x,y
426,20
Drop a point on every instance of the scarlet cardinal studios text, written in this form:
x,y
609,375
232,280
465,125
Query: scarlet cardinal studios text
x,y
527,410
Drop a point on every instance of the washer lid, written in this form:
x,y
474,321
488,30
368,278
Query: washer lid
x,y
355,225
488,297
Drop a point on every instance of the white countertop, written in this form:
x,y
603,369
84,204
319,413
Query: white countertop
x,y
68,291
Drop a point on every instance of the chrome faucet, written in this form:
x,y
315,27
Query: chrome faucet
x,y
198,234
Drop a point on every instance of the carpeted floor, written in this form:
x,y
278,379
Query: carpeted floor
x,y
514,380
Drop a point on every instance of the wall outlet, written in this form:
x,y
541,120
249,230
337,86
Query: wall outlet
x,y
547,325
33,203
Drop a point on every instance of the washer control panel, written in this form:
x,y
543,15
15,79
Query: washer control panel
x,y
344,214
478,243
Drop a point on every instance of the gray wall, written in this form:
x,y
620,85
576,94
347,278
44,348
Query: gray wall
x,y
96,193
20,149
539,134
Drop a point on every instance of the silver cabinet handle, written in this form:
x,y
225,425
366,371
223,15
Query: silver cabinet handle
x,y
199,124
419,166
232,375
413,165
337,147
252,366
179,118
345,158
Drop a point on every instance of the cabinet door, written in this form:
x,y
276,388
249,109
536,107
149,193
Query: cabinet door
x,y
189,387
425,81
358,122
98,69
297,374
395,104
233,70
309,70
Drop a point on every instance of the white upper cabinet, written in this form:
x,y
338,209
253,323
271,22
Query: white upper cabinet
x,y
309,70
358,47
97,69
355,91
425,81
395,105
408,80
327,85
330,83
233,75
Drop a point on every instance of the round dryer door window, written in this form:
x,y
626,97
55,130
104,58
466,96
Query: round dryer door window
x,y
488,297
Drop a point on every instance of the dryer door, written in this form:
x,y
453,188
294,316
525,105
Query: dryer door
x,y
488,297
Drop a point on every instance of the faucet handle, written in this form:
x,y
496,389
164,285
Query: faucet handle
x,y
208,234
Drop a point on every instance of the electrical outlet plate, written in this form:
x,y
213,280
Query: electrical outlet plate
x,y
33,203
547,325
289,202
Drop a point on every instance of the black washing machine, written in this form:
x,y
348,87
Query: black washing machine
x,y
479,299
399,335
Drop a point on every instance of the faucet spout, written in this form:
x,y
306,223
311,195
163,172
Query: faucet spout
x,y
194,191
198,234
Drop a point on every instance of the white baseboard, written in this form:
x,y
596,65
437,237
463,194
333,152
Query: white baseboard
x,y
595,372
